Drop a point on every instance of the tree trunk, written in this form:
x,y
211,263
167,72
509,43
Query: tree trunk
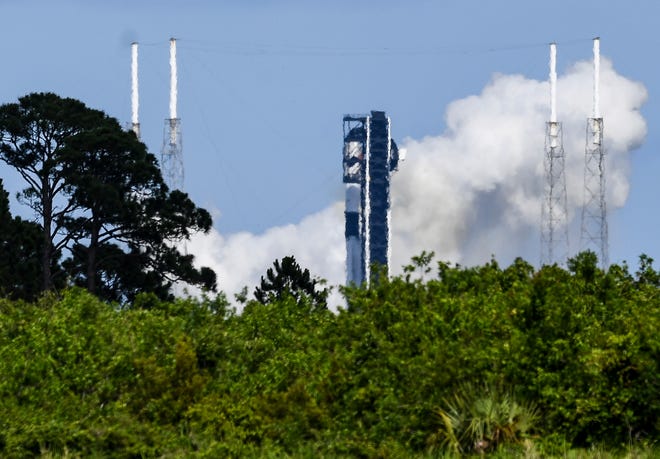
x,y
46,281
91,256
47,255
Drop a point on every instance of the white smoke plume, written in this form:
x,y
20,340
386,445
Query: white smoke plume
x,y
241,259
473,192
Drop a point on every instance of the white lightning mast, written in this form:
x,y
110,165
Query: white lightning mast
x,y
173,79
172,152
596,112
553,82
135,95
594,213
554,227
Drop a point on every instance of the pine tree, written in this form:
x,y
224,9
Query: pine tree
x,y
288,278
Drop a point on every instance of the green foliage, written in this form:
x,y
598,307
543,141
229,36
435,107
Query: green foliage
x,y
506,362
480,419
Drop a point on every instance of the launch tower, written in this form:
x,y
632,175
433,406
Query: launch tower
x,y
369,157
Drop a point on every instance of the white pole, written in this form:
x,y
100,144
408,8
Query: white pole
x,y
553,83
134,85
173,78
596,77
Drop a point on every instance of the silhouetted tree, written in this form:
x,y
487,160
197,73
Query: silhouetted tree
x,y
126,234
288,278
20,254
100,194
32,137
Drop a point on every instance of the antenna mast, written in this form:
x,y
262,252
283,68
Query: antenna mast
x,y
135,95
594,213
554,227
172,151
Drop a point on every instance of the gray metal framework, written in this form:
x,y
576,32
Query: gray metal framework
x,y
171,159
135,127
554,220
382,160
594,213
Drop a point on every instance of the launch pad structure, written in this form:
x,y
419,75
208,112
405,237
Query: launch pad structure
x,y
369,157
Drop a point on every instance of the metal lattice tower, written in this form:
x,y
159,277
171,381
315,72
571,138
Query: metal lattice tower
x,y
593,234
171,162
554,233
554,220
369,157
171,159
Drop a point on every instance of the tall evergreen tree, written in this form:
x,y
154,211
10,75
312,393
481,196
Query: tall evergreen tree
x,y
288,278
101,196
126,233
20,254
32,137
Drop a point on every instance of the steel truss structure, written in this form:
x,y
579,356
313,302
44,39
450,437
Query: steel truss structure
x,y
593,234
554,218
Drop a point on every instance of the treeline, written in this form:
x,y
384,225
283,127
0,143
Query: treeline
x,y
443,359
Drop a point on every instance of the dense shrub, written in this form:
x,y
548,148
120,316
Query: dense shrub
x,y
578,348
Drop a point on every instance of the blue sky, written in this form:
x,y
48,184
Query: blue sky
x,y
263,85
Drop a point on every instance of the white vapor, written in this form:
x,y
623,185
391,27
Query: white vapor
x,y
471,193
240,259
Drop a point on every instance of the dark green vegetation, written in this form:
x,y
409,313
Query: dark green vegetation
x,y
288,278
20,249
105,220
509,362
